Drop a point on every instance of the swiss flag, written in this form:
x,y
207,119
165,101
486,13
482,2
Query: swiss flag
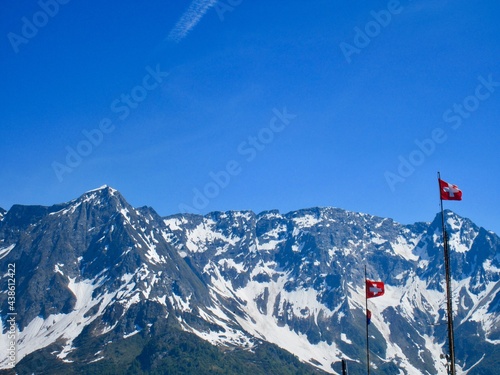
x,y
449,192
374,288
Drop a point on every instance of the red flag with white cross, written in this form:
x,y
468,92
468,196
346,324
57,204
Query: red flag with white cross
x,y
449,192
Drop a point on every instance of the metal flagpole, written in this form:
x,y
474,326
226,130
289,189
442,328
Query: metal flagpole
x,y
448,286
366,322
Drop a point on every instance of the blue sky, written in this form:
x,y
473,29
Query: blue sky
x,y
199,105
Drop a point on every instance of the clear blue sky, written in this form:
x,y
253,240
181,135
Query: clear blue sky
x,y
300,104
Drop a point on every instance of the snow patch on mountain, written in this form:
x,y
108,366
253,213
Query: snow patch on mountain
x,y
69,210
204,233
43,332
461,235
67,327
225,334
321,355
103,187
180,304
404,248
481,313
4,251
175,223
306,221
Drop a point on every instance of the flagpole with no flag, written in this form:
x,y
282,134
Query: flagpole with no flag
x,y
448,192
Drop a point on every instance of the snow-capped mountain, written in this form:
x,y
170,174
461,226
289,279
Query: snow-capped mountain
x,y
95,274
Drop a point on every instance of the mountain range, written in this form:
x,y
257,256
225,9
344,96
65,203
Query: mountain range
x,y
103,287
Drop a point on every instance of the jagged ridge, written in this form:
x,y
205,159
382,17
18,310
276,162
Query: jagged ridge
x,y
96,267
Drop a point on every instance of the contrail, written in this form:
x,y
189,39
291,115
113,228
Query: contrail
x,y
190,19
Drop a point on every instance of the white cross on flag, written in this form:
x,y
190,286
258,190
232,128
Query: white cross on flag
x,y
374,288
449,192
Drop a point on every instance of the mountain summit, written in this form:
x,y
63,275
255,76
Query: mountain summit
x,y
101,285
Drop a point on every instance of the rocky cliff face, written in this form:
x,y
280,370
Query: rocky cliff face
x,y
95,272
